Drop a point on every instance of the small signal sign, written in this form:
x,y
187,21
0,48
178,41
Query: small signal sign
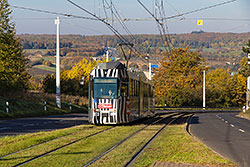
x,y
200,22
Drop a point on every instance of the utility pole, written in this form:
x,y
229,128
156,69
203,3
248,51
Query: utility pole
x,y
248,86
248,93
204,89
107,56
58,91
149,71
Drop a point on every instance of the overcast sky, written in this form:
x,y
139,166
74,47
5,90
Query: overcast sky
x,y
215,19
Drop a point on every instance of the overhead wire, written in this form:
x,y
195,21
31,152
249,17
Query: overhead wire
x,y
54,13
83,27
121,22
165,26
119,18
70,16
160,24
121,37
200,9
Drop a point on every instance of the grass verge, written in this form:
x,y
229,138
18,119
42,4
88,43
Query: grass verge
x,y
30,105
245,114
25,155
79,153
174,145
11,144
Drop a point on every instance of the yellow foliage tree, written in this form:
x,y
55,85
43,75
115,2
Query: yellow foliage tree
x,y
179,78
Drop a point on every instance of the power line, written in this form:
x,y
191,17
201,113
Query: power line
x,y
219,19
160,22
198,10
121,37
136,19
49,12
82,27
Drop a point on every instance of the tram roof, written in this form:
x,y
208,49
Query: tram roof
x,y
111,65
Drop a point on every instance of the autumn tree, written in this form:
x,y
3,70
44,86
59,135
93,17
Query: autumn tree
x,y
246,49
13,73
178,81
70,79
237,89
245,69
217,88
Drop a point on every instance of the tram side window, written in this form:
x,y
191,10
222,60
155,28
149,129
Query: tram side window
x,y
134,87
131,87
124,89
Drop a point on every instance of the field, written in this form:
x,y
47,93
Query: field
x,y
52,59
43,67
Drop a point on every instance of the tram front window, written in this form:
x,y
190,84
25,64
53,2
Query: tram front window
x,y
105,88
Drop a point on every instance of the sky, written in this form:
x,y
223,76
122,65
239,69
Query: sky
x,y
232,17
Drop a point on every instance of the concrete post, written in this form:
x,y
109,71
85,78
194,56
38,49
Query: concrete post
x,y
7,107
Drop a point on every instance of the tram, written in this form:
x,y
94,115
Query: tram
x,y
118,96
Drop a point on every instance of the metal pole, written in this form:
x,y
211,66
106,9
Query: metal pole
x,y
58,91
149,71
204,89
107,56
248,93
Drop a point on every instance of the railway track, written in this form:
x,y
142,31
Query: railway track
x,y
33,146
57,148
133,134
53,150
152,138
160,122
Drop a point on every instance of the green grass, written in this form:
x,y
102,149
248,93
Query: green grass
x,y
123,153
28,105
43,67
208,50
77,133
10,144
174,145
50,58
77,154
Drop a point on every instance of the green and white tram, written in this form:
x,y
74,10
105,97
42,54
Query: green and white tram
x,y
118,96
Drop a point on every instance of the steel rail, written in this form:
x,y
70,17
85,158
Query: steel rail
x,y
151,139
63,146
118,144
24,149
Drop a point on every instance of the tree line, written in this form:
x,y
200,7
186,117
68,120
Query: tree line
x,y
179,81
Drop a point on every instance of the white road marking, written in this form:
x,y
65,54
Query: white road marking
x,y
226,122
222,119
232,125
241,130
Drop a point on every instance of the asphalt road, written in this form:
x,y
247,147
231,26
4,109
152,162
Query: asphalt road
x,y
37,124
225,133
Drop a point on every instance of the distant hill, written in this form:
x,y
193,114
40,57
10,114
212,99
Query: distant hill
x,y
218,49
